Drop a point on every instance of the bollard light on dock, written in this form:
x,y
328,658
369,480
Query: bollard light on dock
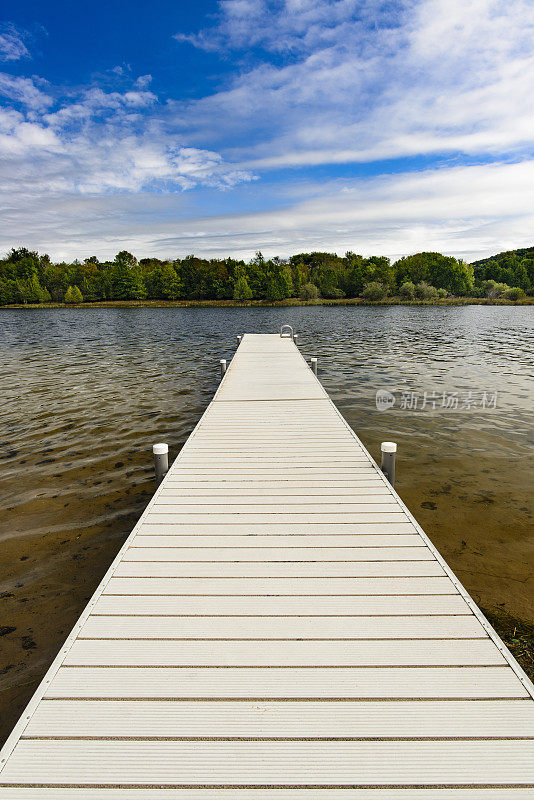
x,y
238,340
161,460
314,365
295,338
389,450
222,364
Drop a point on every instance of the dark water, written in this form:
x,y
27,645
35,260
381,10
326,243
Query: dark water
x,y
86,392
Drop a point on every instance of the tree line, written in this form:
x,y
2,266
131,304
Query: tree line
x,y
27,277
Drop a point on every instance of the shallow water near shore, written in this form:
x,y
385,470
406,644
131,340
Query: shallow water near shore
x,y
85,393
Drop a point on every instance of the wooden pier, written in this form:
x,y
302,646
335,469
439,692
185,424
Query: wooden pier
x,y
276,627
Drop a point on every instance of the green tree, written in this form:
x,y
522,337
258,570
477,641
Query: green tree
x,y
357,275
424,291
162,282
298,278
454,276
171,286
55,280
25,263
89,281
73,295
328,282
309,292
256,276
374,291
278,281
514,293
242,290
443,272
382,271
31,291
407,290
493,290
360,271
8,292
127,278
412,269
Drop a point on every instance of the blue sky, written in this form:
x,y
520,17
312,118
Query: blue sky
x,y
221,128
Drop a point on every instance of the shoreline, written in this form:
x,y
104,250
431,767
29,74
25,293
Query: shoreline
x,y
289,302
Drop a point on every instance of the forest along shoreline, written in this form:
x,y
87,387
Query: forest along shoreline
x,y
27,278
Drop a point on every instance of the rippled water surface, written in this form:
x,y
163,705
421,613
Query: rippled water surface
x,y
85,393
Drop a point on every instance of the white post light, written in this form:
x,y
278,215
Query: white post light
x,y
161,460
389,450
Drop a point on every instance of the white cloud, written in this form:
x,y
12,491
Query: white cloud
x,y
436,76
292,26
464,211
143,81
23,90
12,45
96,98
97,143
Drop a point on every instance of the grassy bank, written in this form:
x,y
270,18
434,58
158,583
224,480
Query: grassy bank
x,y
355,301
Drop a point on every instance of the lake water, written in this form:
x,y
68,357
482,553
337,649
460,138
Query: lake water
x,y
85,393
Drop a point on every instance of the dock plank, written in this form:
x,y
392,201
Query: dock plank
x,y
198,544
283,653
280,586
281,627
356,683
272,763
458,719
271,605
142,551
277,569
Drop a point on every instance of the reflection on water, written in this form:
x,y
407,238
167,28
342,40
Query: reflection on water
x,y
87,391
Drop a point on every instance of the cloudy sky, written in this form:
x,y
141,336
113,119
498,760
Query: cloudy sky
x,y
221,128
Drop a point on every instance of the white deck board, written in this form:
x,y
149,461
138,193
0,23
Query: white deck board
x,y
366,505
144,552
280,627
198,544
284,504
376,763
314,528
383,513
280,586
319,605
321,682
276,588
274,719
276,569
283,653
246,493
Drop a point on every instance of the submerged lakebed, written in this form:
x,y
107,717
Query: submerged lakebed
x,y
87,391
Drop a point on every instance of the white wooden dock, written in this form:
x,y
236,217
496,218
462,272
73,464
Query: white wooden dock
x,y
277,626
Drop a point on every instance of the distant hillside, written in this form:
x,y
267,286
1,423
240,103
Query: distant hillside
x,y
513,267
519,254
